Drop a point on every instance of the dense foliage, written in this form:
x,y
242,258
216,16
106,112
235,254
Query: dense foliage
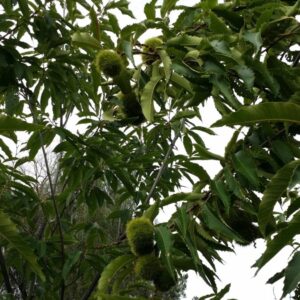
x,y
63,237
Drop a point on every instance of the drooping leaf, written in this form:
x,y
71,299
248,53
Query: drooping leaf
x,y
206,154
254,38
24,8
292,275
246,74
111,270
188,145
85,40
224,86
9,232
282,239
276,277
263,112
245,165
95,24
167,63
70,262
165,243
219,188
181,196
222,293
274,190
167,6
217,25
147,94
181,81
13,124
149,9
214,223
182,220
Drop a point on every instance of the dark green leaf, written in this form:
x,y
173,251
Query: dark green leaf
x,y
85,40
14,124
165,244
10,233
292,275
274,190
167,6
282,239
263,112
245,165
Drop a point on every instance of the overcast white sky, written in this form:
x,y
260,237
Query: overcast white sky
x,y
237,267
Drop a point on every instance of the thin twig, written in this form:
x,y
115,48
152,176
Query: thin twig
x,y
164,164
281,37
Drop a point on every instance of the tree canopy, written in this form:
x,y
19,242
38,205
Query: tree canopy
x,y
115,110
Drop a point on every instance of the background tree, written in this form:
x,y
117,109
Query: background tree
x,y
63,62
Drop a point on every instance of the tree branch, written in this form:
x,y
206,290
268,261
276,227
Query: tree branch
x,y
31,102
164,164
91,288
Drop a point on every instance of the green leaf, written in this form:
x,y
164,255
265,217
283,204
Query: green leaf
x,y
167,6
276,277
254,38
147,94
245,165
70,262
111,270
205,154
182,221
263,112
219,188
9,232
233,184
24,8
117,297
149,9
181,196
152,212
246,74
85,40
282,239
292,275
187,114
185,40
188,145
113,22
5,148
127,48
165,244
282,150
208,4
197,170
216,224
274,190
263,75
222,293
167,63
13,124
224,86
216,25
231,146
181,81
94,24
